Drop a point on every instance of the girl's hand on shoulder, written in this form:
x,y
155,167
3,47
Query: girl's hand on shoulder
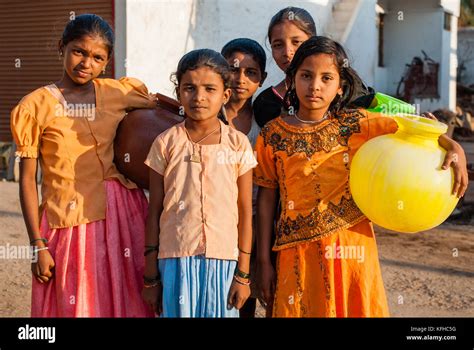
x,y
238,295
43,268
153,297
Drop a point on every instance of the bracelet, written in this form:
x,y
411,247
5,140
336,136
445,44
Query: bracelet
x,y
44,240
242,274
156,284
148,280
242,251
238,280
40,249
150,249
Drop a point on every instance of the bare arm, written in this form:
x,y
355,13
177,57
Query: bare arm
x,y
29,197
42,268
239,293
456,158
244,183
152,296
266,208
153,221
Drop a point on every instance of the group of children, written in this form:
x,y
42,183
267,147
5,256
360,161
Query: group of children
x,y
214,210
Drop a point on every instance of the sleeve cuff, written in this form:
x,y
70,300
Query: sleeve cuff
x,y
26,152
247,166
155,167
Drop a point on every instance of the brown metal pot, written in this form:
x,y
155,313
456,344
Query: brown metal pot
x,y
136,134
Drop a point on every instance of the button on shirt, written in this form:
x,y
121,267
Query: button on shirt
x,y
200,213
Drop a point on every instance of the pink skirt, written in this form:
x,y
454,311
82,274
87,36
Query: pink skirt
x,y
99,265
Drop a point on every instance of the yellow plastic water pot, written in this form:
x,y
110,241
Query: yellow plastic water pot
x,y
397,181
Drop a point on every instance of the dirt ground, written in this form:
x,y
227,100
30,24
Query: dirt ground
x,y
425,274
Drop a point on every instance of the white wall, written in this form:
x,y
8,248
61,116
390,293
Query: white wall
x,y
450,61
159,32
466,53
362,42
452,6
409,28
156,33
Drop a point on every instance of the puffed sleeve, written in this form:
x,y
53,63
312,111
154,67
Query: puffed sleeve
x,y
26,132
379,124
246,159
157,158
136,94
265,173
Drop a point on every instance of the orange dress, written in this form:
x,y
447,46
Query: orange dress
x,y
327,264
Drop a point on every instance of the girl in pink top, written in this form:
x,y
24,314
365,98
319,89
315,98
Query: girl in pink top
x,y
200,219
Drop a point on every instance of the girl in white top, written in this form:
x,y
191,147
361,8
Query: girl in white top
x,y
199,223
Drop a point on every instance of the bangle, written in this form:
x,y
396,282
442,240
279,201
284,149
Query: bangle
x,y
242,251
44,240
40,249
148,280
150,249
238,280
242,274
156,284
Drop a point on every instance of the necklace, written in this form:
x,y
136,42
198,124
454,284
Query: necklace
x,y
195,158
326,115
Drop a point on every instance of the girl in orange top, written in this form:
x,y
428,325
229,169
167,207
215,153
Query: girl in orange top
x,y
327,263
89,234
200,219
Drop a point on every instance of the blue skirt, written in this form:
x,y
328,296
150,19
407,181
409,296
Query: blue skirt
x,y
194,286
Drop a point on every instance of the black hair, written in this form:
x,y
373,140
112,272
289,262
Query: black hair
x,y
246,46
89,24
299,17
203,58
350,81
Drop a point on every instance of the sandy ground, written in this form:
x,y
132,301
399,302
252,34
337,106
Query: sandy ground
x,y
425,274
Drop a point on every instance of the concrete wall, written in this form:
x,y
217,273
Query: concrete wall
x,y
362,44
409,28
466,54
159,32
152,35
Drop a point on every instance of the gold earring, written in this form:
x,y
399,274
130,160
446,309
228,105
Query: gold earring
x,y
103,71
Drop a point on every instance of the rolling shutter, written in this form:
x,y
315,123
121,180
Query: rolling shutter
x,y
29,34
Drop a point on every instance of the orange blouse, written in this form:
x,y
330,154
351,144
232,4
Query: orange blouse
x,y
310,166
75,150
